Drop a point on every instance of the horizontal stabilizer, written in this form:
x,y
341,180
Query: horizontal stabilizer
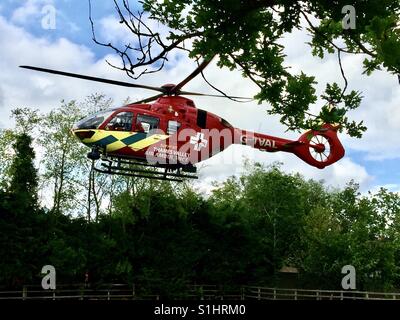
x,y
293,144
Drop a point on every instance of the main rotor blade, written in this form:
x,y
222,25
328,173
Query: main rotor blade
x,y
187,93
190,77
149,99
84,77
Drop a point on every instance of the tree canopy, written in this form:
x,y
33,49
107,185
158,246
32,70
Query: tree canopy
x,y
246,35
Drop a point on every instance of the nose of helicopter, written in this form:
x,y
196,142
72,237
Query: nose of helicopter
x,y
83,135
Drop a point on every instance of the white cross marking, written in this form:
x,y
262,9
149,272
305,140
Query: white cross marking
x,y
198,141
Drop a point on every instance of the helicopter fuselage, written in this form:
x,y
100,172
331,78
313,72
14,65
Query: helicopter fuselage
x,y
173,132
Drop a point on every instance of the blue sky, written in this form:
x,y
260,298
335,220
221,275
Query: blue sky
x,y
72,20
373,161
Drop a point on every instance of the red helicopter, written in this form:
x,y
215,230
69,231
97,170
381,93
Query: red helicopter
x,y
172,134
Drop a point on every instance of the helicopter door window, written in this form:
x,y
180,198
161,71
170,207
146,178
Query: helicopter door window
x,y
93,121
121,122
145,123
173,126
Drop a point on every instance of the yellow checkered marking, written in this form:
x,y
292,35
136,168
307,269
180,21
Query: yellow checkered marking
x,y
148,141
118,136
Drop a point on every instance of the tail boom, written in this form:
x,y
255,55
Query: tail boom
x,y
319,148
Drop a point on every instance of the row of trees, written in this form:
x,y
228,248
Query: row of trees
x,y
63,169
165,235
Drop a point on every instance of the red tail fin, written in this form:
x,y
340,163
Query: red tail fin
x,y
319,148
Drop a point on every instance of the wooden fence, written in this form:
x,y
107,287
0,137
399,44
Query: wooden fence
x,y
194,292
263,293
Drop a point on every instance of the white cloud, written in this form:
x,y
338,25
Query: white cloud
x,y
21,14
1,98
23,87
391,187
230,162
111,30
73,27
30,9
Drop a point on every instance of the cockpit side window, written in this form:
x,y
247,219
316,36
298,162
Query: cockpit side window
x,y
145,123
93,121
121,122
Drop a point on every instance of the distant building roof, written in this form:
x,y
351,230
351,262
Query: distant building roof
x,y
286,269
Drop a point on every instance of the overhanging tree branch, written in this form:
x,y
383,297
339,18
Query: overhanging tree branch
x,y
343,75
149,48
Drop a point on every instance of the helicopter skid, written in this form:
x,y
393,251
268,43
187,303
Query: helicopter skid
x,y
129,168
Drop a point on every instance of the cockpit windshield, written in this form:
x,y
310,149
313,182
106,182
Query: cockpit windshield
x,y
94,120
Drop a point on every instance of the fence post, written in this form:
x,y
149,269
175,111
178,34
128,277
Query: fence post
x,y
24,292
274,294
108,294
341,295
242,293
367,296
133,291
259,294
295,294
